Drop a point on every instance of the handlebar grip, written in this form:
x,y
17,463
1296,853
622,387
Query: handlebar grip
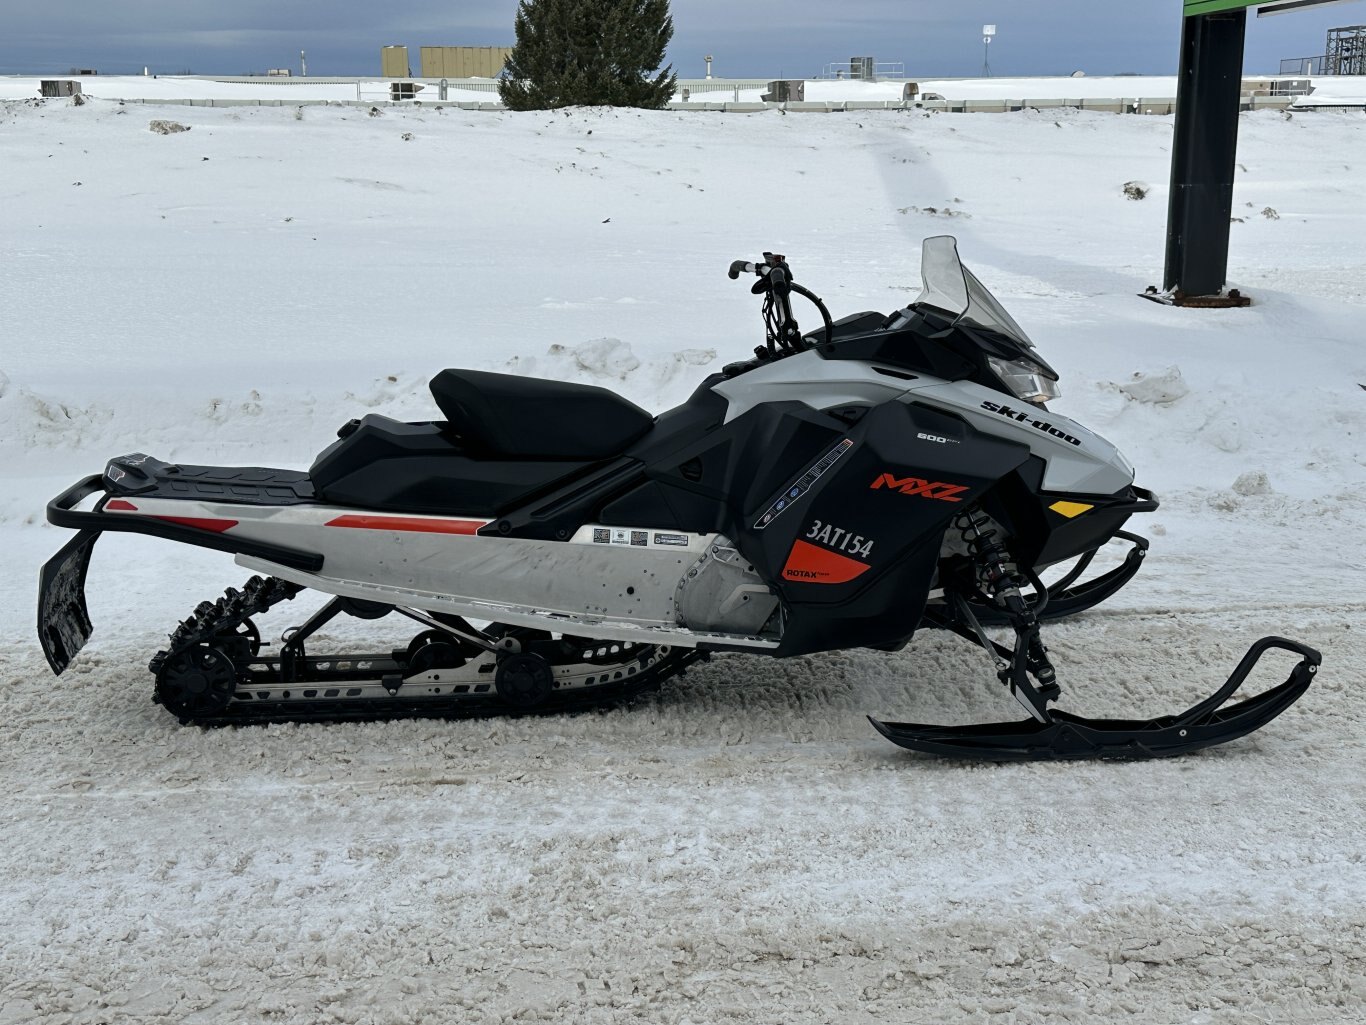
x,y
739,267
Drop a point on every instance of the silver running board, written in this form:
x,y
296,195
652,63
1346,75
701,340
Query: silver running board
x,y
554,620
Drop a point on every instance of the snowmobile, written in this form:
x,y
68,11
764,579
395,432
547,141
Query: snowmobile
x,y
559,547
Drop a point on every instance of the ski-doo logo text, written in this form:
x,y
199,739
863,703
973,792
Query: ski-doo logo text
x,y
918,486
1043,425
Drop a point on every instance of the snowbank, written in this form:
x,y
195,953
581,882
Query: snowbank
x,y
1335,91
1067,88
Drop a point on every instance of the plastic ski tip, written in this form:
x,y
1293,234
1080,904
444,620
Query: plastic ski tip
x,y
1066,736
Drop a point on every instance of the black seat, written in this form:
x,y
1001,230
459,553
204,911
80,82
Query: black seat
x,y
513,417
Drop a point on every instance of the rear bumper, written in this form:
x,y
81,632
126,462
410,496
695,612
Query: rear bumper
x,y
61,512
63,619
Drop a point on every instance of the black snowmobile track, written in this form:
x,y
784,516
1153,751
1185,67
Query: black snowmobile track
x,y
340,710
315,688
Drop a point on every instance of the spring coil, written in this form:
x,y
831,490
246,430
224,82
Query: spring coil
x,y
990,554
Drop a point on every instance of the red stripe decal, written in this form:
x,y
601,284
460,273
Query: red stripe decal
x,y
808,564
200,522
408,523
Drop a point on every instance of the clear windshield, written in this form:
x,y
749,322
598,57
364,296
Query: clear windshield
x,y
948,286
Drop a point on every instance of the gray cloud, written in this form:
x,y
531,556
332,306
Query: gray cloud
x,y
760,38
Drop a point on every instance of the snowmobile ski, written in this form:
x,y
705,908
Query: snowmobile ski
x,y
1064,736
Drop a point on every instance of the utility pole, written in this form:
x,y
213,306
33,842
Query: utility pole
x,y
1204,150
303,64
987,32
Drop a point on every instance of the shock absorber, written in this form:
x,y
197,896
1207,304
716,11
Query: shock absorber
x,y
991,560
1001,582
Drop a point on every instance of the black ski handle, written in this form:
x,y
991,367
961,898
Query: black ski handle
x,y
1310,660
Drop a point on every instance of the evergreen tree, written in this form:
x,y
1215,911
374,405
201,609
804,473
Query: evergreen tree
x,y
589,52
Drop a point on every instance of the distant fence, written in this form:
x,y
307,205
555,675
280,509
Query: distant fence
x,y
1111,106
721,94
1303,65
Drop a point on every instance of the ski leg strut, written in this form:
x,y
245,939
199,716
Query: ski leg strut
x,y
1027,672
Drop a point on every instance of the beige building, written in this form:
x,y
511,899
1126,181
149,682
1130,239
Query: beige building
x,y
393,61
463,61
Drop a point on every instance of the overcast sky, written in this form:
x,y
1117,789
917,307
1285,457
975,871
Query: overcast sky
x,y
758,38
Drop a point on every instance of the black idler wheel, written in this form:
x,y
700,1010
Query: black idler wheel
x,y
196,683
244,634
524,681
433,649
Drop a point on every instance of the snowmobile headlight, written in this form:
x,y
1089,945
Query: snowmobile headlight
x,y
1026,380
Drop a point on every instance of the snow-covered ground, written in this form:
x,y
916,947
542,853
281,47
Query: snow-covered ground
x,y
740,848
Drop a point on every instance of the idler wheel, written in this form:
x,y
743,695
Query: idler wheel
x,y
432,649
244,634
197,683
524,681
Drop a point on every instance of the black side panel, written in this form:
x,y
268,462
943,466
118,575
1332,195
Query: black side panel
x,y
853,553
682,484
528,418
696,478
560,511
420,468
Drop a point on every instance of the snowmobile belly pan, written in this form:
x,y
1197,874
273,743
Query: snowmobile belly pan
x,y
607,626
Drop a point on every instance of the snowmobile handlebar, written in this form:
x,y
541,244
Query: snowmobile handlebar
x,y
775,284
772,270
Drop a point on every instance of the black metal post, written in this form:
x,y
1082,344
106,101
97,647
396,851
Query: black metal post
x,y
1204,151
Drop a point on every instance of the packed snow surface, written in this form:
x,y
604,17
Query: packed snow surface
x,y
740,847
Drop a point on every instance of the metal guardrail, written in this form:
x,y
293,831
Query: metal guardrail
x,y
722,95
1304,65
1110,106
1137,105
863,70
